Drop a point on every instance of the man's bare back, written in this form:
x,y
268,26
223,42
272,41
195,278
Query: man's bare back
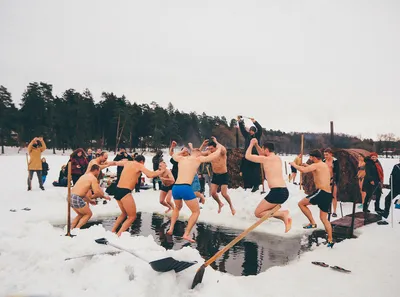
x,y
273,171
85,183
130,174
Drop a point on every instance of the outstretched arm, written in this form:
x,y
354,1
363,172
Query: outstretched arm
x,y
171,148
205,142
259,128
150,173
242,128
43,148
259,149
304,169
210,157
249,153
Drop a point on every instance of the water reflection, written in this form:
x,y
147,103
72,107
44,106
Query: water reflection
x,y
254,254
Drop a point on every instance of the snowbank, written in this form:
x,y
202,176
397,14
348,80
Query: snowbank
x,y
32,251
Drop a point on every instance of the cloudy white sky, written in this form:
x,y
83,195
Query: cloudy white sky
x,y
293,65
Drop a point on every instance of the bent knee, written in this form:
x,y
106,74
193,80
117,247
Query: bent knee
x,y
257,214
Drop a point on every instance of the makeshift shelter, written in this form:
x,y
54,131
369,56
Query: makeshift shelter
x,y
348,189
234,161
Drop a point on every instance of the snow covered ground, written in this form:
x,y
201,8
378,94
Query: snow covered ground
x,y
32,251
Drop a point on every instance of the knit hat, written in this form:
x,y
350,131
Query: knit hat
x,y
373,154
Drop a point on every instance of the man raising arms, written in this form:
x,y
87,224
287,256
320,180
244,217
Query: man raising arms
x,y
322,196
81,195
188,165
220,172
123,192
273,172
167,181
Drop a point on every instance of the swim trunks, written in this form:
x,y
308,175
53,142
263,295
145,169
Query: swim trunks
x,y
183,191
277,195
294,170
165,189
77,201
322,199
220,179
121,193
196,184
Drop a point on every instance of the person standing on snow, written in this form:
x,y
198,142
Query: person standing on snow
x,y
251,170
35,149
373,181
395,187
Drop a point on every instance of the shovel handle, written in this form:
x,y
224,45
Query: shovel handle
x,y
243,234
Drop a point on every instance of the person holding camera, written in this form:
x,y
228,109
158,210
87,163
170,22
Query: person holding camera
x,y
251,172
122,155
35,149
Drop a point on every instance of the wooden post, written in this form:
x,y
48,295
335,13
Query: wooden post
x,y
301,159
285,168
69,201
332,135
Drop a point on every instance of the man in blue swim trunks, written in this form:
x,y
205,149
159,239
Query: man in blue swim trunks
x,y
182,189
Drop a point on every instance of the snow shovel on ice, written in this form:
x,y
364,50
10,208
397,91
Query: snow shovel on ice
x,y
161,265
200,272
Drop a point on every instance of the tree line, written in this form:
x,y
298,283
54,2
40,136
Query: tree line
x,y
75,120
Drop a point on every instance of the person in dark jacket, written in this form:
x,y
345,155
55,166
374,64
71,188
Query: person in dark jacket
x,y
89,155
122,155
78,164
373,181
395,187
156,164
45,170
139,182
62,178
251,171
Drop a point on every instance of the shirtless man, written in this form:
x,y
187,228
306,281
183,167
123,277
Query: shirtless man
x,y
188,165
81,195
123,192
322,196
101,161
220,173
273,171
167,180
333,165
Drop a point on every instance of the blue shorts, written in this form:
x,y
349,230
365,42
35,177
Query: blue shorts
x,y
196,184
182,191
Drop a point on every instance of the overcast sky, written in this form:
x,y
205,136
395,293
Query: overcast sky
x,y
293,65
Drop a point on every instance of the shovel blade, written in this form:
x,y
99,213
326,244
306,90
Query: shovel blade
x,y
168,264
198,278
101,241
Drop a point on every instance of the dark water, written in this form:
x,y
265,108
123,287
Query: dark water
x,y
254,254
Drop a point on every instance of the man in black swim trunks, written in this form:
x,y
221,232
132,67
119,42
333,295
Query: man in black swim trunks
x,y
123,192
273,171
167,181
322,196
220,172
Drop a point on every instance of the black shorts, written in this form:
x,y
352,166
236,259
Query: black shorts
x,y
166,189
277,195
322,199
220,179
294,170
121,193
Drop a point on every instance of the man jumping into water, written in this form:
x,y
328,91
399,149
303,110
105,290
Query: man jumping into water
x,y
123,191
273,171
81,195
220,172
322,196
188,165
167,181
